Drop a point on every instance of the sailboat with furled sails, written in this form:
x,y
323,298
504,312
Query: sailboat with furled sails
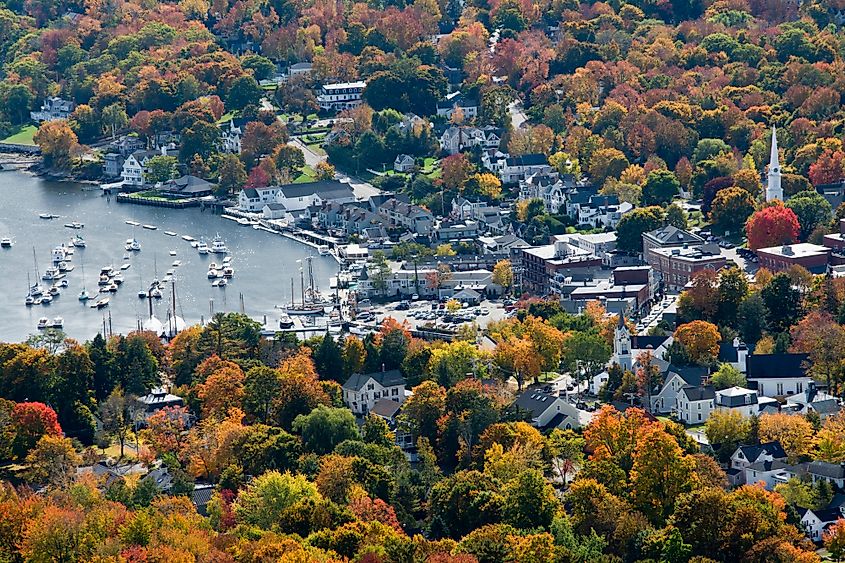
x,y
311,302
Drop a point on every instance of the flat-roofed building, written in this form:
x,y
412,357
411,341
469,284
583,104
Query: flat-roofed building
x,y
814,257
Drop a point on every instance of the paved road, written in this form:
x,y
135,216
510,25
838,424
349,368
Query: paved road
x,y
363,190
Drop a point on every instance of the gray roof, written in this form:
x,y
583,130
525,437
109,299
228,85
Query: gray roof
x,y
527,160
535,402
702,393
754,451
388,378
672,235
773,366
386,408
326,189
773,465
827,406
825,469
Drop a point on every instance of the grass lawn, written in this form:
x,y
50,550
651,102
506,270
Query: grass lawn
x,y
308,175
316,148
226,117
22,136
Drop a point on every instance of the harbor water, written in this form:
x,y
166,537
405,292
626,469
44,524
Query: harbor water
x,y
264,262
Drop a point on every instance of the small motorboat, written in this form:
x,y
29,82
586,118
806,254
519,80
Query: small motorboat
x,y
47,216
156,293
58,322
107,271
30,300
52,274
213,274
219,283
112,287
46,299
63,282
104,288
228,272
150,227
104,280
173,253
323,250
133,223
176,263
42,323
227,259
132,245
218,246
101,303
118,279
54,291
285,321
142,294
78,241
5,242
188,238
74,225
213,266
202,248
243,221
64,267
125,266
170,233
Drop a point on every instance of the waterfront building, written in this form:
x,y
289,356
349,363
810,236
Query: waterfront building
x,y
52,109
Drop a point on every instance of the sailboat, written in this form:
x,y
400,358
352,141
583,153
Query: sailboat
x,y
175,323
311,303
83,295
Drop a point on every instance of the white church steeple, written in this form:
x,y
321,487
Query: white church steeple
x,y
773,189
622,344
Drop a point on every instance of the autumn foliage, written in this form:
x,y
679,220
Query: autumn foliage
x,y
774,225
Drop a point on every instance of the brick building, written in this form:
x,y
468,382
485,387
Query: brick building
x,y
779,258
677,266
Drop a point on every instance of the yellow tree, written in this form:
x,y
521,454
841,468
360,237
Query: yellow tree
x,y
57,141
660,474
794,433
830,440
503,274
700,340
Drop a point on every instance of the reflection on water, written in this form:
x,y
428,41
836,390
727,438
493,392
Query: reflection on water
x,y
264,263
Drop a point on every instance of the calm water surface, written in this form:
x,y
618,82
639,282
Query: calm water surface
x,y
264,262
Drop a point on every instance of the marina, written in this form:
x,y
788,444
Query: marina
x,y
253,270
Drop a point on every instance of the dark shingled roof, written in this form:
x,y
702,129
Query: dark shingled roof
x,y
388,378
825,469
701,393
535,402
672,235
642,342
326,188
527,160
386,408
752,452
772,366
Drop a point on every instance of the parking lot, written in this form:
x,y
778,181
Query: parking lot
x,y
419,314
654,316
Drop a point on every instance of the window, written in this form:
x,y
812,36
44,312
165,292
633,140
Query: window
x,y
370,387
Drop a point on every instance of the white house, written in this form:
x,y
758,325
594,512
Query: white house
x,y
695,403
403,163
666,399
767,472
274,210
230,137
517,168
778,375
135,166
52,109
362,391
815,522
547,411
737,399
457,138
341,96
296,197
745,456
254,199
597,382
447,106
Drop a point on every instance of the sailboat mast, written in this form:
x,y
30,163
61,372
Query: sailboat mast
x,y
302,285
